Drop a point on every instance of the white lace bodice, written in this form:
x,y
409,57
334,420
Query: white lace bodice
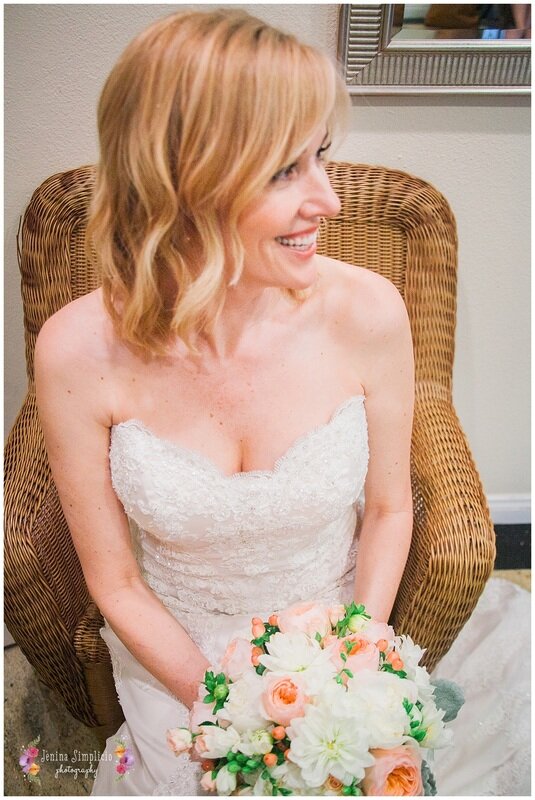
x,y
218,550
253,541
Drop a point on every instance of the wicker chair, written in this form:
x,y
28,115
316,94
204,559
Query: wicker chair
x,y
390,222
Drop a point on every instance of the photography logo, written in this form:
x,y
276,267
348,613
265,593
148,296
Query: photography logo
x,y
76,764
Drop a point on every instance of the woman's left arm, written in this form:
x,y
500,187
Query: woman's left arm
x,y
386,530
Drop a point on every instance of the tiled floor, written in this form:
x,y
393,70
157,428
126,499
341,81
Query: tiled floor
x,y
30,710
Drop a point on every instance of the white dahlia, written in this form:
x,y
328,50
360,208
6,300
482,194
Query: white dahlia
x,y
411,654
437,735
324,744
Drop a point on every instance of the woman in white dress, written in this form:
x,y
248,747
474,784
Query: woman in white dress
x,y
215,411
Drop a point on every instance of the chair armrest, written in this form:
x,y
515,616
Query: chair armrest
x,y
94,656
453,546
45,593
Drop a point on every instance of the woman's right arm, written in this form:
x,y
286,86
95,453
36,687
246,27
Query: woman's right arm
x,y
74,396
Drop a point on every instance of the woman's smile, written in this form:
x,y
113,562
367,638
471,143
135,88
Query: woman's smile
x,y
280,228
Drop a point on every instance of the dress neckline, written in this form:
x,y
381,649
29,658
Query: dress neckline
x,y
206,461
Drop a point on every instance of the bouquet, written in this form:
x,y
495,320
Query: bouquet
x,y
320,701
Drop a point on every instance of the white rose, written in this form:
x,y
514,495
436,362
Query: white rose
x,y
179,740
254,743
378,697
242,706
226,781
216,741
296,652
291,776
262,787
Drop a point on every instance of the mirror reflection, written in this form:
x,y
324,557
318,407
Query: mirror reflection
x,y
462,21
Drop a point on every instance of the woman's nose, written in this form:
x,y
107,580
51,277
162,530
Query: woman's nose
x,y
319,199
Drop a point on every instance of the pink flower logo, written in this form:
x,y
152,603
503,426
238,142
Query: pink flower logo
x,y
125,758
27,761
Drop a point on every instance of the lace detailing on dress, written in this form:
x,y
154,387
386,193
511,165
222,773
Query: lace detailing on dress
x,y
277,535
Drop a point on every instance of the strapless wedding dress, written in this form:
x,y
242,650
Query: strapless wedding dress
x,y
220,549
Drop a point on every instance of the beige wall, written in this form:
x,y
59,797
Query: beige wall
x,y
474,149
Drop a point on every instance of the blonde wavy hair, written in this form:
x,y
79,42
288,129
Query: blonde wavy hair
x,y
198,114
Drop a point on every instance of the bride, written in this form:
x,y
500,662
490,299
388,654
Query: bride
x,y
214,413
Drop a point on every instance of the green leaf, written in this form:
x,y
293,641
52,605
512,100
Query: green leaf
x,y
428,780
348,673
318,637
343,657
221,678
233,766
209,698
448,696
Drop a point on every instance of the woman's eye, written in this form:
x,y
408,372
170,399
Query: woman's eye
x,y
323,149
284,174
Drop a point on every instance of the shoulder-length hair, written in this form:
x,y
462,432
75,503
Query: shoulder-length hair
x,y
198,114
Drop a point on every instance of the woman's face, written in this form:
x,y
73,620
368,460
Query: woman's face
x,y
278,230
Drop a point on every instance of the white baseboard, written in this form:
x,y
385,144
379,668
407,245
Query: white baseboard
x,y
510,509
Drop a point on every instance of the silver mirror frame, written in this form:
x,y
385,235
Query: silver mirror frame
x,y
374,63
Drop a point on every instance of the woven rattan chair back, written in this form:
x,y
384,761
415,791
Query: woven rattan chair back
x,y
390,222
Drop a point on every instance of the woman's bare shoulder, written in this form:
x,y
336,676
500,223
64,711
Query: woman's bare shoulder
x,y
80,330
74,361
360,300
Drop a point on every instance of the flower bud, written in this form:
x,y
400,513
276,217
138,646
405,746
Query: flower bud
x,y
220,691
355,623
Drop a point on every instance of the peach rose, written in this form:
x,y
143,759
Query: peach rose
x,y
201,712
310,618
336,613
237,658
207,782
283,699
333,786
362,655
179,740
396,772
200,745
377,630
34,769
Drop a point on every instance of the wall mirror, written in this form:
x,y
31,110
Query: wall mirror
x,y
436,48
